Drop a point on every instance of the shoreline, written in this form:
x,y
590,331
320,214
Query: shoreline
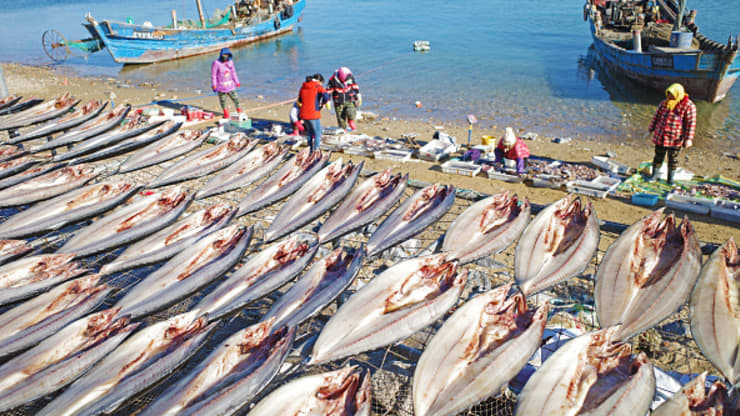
x,y
47,82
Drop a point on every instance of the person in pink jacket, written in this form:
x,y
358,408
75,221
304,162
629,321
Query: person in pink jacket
x,y
224,80
513,148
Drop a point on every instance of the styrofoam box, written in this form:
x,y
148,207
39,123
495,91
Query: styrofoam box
x,y
397,155
461,168
584,188
726,210
492,174
547,181
610,165
685,203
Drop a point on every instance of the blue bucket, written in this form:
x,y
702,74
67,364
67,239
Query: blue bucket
x,y
681,39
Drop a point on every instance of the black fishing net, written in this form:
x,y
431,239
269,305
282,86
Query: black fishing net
x,y
669,344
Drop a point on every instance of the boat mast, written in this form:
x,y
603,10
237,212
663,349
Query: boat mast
x,y
679,18
200,14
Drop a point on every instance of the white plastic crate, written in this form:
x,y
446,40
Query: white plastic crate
x,y
687,203
609,165
547,181
436,150
358,151
391,154
501,176
583,188
461,168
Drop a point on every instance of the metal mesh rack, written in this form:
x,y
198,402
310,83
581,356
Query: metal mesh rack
x,y
669,345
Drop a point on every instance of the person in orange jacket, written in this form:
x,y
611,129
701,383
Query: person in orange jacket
x,y
513,148
311,99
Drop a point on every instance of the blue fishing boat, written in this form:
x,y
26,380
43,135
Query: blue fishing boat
x,y
243,22
657,44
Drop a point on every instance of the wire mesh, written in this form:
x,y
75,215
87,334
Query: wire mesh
x,y
669,345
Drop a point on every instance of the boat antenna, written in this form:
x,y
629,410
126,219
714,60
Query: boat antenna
x,y
679,17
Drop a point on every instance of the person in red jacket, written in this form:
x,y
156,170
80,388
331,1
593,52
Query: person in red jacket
x,y
311,98
513,148
673,127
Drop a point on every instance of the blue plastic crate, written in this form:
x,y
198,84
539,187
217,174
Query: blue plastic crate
x,y
645,200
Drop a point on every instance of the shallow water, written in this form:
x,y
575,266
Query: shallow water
x,y
522,64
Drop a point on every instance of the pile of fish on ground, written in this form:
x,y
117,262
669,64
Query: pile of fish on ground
x,y
251,336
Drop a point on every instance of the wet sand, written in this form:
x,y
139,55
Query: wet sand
x,y
47,83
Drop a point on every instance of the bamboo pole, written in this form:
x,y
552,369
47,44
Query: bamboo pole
x,y
200,14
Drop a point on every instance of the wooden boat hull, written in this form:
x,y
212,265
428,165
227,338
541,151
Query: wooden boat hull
x,y
137,44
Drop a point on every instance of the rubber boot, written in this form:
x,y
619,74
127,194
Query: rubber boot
x,y
226,114
239,110
352,125
671,172
654,176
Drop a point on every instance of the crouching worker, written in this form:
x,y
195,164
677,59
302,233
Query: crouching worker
x,y
673,127
346,96
295,121
512,148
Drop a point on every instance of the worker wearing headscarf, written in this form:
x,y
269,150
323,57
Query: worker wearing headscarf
x,y
513,148
346,96
673,127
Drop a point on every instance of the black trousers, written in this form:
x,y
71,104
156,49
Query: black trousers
x,y
660,152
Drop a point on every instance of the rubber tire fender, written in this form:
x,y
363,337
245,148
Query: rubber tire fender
x,y
276,23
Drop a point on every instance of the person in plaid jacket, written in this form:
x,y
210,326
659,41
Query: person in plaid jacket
x,y
673,127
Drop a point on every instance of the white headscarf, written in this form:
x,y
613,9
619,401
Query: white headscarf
x,y
509,138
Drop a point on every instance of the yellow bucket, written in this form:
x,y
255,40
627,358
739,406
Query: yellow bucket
x,y
488,140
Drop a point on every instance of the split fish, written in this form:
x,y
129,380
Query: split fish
x,y
12,249
693,400
47,185
30,173
18,107
318,195
163,150
68,121
261,274
478,350
646,274
141,360
415,214
19,164
344,392
201,263
365,204
715,311
486,227
39,113
245,171
61,358
72,206
593,374
8,152
9,101
130,128
206,161
231,376
318,287
36,319
143,216
28,276
398,302
98,125
291,176
558,244
133,143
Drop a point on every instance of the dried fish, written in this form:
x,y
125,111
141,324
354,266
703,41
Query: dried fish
x,y
693,400
19,164
163,150
39,113
68,121
8,152
135,142
30,173
47,185
98,125
12,249
28,276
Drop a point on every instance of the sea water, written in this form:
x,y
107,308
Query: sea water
x,y
529,65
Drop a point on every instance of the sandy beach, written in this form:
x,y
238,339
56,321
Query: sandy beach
x,y
48,82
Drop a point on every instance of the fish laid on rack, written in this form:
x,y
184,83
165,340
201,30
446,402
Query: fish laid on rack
x,y
19,106
28,174
132,143
478,349
199,264
12,249
39,113
144,215
9,101
245,171
646,274
28,276
715,311
398,302
163,150
169,241
324,190
694,400
131,127
13,166
486,227
206,161
365,204
66,122
291,176
61,358
36,319
557,245
47,185
230,377
415,214
262,273
98,125
593,374
72,206
317,288
344,392
142,360
8,152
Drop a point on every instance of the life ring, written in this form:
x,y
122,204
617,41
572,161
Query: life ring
x,y
276,23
